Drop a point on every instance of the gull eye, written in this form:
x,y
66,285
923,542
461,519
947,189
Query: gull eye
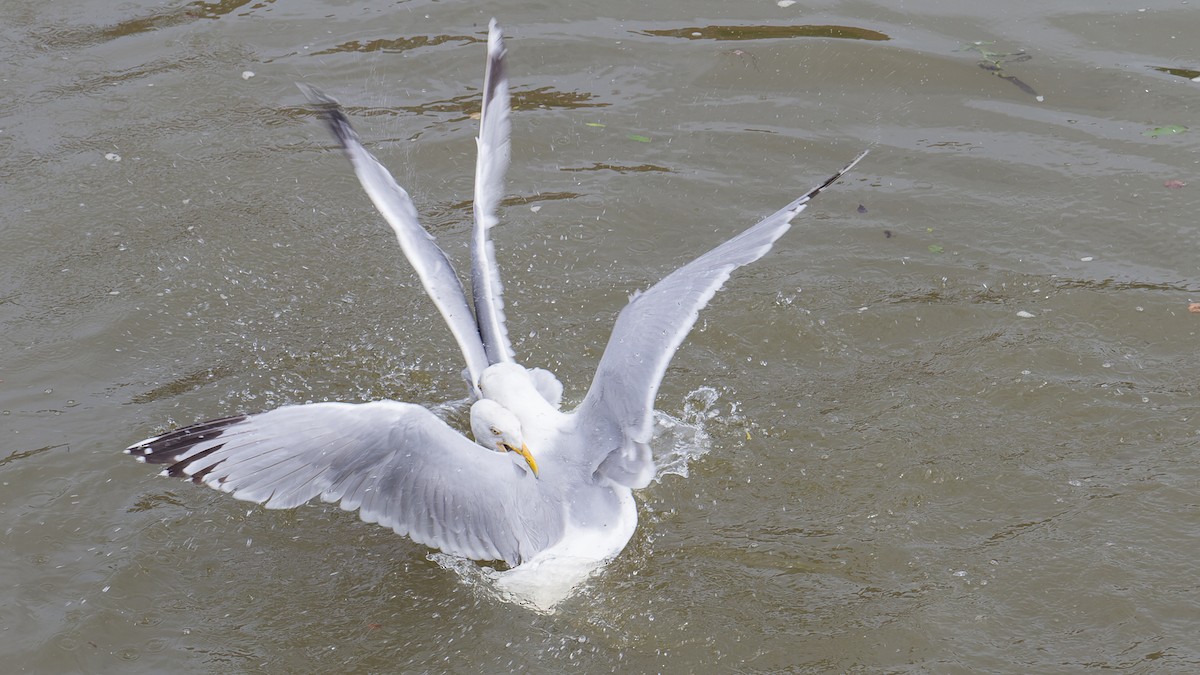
x,y
495,431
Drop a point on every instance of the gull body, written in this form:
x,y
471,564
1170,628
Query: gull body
x,y
547,492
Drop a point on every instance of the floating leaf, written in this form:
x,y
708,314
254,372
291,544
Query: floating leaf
x,y
593,124
1178,72
1169,130
639,139
936,248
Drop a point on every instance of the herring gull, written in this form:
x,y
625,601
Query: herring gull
x,y
548,492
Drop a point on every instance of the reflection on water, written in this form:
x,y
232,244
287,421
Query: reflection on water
x,y
768,32
619,169
396,45
466,107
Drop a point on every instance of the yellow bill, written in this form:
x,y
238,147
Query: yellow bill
x,y
524,452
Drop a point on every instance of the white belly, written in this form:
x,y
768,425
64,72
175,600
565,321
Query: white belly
x,y
555,573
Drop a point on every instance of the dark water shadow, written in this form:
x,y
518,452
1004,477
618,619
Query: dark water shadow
x,y
767,32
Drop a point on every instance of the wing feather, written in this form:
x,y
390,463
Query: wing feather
x,y
620,402
494,149
395,463
426,257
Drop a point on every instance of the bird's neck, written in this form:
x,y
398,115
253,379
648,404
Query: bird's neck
x,y
531,409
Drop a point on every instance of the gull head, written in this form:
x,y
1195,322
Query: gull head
x,y
505,379
532,395
497,429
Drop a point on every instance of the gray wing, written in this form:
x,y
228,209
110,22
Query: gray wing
x,y
492,161
423,253
395,463
619,406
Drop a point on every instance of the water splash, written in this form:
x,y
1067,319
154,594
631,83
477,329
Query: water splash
x,y
679,440
542,585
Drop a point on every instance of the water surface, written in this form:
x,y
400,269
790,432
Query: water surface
x,y
955,423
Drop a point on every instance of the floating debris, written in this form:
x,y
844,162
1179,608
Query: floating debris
x,y
638,138
991,61
247,74
112,157
1194,307
751,59
1168,130
1026,315
862,209
1174,184
1186,73
936,248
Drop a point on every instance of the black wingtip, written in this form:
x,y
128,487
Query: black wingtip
x,y
168,448
180,469
331,111
834,178
798,205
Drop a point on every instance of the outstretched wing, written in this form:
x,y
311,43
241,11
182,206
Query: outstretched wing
x,y
491,163
422,251
620,402
395,463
